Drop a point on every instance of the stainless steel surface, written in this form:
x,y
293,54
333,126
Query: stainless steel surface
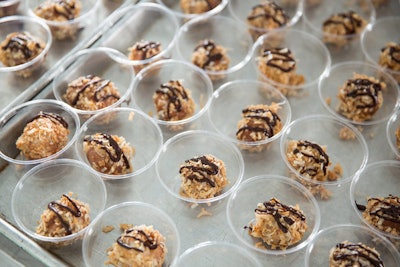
x,y
147,188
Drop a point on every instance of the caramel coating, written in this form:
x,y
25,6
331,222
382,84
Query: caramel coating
x,y
109,154
143,50
278,225
361,97
173,102
198,6
91,93
341,28
354,254
138,246
203,177
43,136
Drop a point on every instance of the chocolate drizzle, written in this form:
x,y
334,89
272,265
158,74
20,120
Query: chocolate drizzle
x,y
201,174
260,114
145,46
56,207
364,88
174,95
109,145
19,42
349,21
136,235
384,209
100,85
275,15
212,56
276,56
356,251
64,8
276,209
394,53
53,117
320,158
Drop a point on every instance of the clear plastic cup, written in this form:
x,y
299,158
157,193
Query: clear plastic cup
x,y
378,180
345,148
140,132
393,133
233,97
329,84
14,121
186,15
226,33
34,27
9,7
100,62
318,250
65,28
375,37
217,253
345,44
193,79
146,22
47,182
241,11
259,189
193,144
97,241
310,56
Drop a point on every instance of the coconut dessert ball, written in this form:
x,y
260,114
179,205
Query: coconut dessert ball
x,y
390,58
202,177
278,225
198,6
143,50
109,154
44,135
91,92
138,246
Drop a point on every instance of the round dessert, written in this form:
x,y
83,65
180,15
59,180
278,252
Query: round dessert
x,y
354,254
198,6
258,122
383,213
109,154
19,48
278,225
210,56
138,246
44,135
91,93
173,101
361,97
339,28
60,11
202,177
64,217
143,50
279,65
266,16
390,58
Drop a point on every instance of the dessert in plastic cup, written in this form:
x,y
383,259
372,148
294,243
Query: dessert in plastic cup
x,y
380,43
37,131
291,60
273,215
25,42
119,143
9,7
199,167
221,253
66,19
375,198
348,243
323,153
219,45
175,93
93,80
393,133
261,17
55,201
258,114
109,239
144,34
